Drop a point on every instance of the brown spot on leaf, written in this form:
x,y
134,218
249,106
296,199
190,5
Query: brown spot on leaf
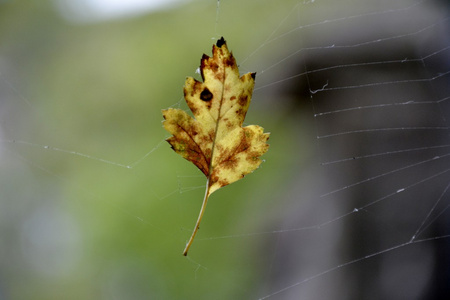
x,y
214,179
218,73
208,153
214,67
243,146
243,99
219,148
223,182
206,95
194,110
212,134
229,61
187,148
204,139
230,163
239,111
197,87
253,157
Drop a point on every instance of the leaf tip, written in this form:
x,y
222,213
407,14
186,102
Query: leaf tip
x,y
221,42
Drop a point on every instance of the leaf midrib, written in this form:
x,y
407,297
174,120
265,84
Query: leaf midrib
x,y
219,117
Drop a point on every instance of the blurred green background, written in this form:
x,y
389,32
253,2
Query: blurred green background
x,y
79,103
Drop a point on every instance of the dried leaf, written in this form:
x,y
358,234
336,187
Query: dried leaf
x,y
215,140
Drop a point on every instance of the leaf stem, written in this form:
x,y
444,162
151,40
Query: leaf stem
x,y
200,216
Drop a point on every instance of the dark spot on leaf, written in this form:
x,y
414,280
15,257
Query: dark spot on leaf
x,y
221,42
208,153
253,157
203,65
214,67
223,182
243,100
212,134
216,70
230,163
206,95
253,75
214,178
195,88
204,138
243,146
229,62
240,112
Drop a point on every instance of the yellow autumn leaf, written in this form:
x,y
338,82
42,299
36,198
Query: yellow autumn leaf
x,y
215,140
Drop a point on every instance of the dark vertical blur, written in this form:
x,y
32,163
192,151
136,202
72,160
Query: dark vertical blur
x,y
400,85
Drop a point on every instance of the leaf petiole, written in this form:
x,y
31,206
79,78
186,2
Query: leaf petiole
x,y
200,216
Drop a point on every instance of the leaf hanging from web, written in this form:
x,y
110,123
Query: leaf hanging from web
x,y
215,140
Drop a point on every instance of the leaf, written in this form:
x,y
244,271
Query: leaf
x,y
215,140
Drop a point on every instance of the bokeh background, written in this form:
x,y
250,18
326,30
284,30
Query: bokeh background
x,y
74,227
95,205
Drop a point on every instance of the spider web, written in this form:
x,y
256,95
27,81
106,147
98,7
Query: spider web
x,y
351,202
